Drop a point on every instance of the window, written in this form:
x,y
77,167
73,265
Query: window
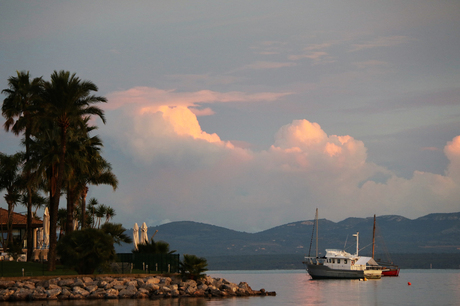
x,y
338,260
345,261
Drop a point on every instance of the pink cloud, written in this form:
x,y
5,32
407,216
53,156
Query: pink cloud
x,y
150,99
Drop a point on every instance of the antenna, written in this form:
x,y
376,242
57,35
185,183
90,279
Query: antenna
x,y
345,245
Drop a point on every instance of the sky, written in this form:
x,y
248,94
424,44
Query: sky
x,y
252,114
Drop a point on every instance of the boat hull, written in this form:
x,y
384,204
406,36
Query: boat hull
x,y
323,272
390,272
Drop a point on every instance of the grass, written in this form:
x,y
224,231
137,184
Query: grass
x,y
14,269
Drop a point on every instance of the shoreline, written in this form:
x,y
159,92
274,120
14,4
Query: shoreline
x,y
120,287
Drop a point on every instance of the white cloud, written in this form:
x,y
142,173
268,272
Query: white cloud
x,y
184,173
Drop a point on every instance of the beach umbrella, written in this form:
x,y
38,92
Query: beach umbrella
x,y
144,236
75,224
46,228
135,235
40,237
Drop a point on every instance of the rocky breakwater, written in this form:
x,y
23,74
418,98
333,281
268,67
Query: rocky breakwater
x,y
106,287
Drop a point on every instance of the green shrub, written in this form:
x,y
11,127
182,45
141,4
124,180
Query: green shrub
x,y
193,267
86,250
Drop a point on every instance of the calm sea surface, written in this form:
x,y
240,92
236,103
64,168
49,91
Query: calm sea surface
x,y
294,287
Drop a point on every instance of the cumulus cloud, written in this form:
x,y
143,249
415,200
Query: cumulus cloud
x,y
184,173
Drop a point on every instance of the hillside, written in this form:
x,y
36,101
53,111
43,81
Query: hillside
x,y
434,233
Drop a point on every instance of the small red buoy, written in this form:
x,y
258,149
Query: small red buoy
x,y
409,283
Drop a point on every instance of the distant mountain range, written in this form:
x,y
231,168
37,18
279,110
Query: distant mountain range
x,y
433,233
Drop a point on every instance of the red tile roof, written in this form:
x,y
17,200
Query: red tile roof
x,y
18,219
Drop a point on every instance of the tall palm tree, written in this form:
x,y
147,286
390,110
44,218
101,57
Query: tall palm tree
x,y
67,101
11,181
87,167
17,109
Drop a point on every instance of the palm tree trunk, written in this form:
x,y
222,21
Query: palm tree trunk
x,y
83,207
55,201
9,227
54,205
30,237
70,210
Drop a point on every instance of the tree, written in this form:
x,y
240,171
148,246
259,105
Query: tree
x,y
117,231
67,100
152,247
17,108
193,267
86,250
11,181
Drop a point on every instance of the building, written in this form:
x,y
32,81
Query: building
x,y
19,222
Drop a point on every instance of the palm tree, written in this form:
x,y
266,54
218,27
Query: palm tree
x,y
152,247
193,267
11,181
87,167
117,231
22,95
67,101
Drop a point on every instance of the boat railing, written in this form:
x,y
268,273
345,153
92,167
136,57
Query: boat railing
x,y
315,260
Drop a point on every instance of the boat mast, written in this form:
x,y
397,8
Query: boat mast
x,y
316,233
373,239
357,243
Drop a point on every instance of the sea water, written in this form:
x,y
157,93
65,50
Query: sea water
x,y
295,287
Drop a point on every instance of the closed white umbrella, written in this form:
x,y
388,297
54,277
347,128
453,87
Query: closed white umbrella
x,y
46,228
75,224
135,235
40,237
144,236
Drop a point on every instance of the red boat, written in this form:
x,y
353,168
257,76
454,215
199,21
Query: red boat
x,y
388,269
393,271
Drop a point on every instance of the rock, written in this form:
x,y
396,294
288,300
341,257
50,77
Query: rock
x,y
65,294
6,284
66,282
53,293
5,294
29,285
143,290
150,287
87,279
38,296
152,280
165,280
141,295
79,290
98,294
129,292
199,293
53,286
229,287
131,283
119,287
102,284
123,287
21,294
91,288
78,283
111,294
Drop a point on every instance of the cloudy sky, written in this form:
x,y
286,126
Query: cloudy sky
x,y
250,114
